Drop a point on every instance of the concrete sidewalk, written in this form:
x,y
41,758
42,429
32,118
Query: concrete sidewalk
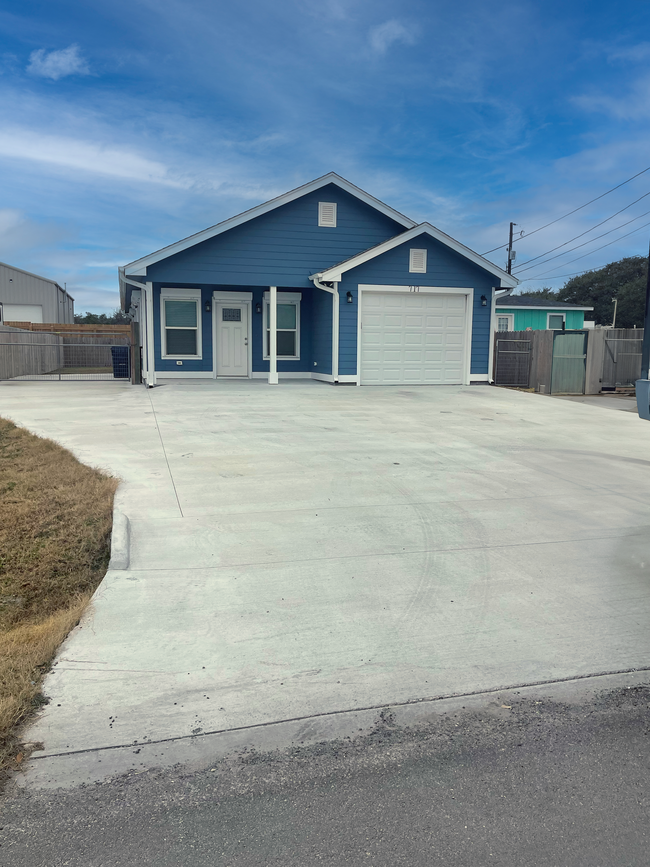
x,y
304,550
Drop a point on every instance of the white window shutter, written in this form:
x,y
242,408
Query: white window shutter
x,y
327,214
418,261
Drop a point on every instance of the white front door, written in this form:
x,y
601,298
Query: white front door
x,y
231,339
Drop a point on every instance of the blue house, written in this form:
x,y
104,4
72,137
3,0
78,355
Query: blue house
x,y
324,282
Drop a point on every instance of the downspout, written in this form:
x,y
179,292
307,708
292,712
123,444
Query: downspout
x,y
146,322
334,291
502,294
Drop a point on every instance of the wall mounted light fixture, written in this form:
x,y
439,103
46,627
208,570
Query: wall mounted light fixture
x,y
258,308
207,307
483,301
349,297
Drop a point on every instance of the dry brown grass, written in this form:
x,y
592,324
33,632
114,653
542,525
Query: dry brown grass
x,y
55,524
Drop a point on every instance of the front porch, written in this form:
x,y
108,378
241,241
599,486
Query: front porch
x,y
199,331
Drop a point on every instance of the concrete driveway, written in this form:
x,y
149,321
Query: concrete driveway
x,y
303,552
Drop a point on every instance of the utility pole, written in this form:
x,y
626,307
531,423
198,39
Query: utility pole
x,y
645,349
511,253
615,300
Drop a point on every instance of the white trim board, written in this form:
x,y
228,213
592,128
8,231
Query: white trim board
x,y
517,308
425,290
184,374
139,267
284,374
334,273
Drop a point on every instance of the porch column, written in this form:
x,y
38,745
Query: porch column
x,y
273,335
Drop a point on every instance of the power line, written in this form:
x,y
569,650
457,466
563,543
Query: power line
x,y
557,220
593,251
602,222
560,276
577,247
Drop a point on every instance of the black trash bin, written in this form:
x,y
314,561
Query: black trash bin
x,y
120,362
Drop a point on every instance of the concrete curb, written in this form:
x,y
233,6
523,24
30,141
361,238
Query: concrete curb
x,y
195,753
120,540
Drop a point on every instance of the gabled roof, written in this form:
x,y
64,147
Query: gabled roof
x,y
140,265
334,273
31,274
537,303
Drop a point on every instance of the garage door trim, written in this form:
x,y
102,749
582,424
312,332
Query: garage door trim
x,y
428,290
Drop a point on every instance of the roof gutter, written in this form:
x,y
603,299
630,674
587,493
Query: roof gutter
x,y
123,284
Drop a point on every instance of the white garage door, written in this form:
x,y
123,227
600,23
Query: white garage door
x,y
412,338
23,312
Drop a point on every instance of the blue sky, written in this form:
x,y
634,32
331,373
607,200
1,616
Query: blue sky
x,y
125,126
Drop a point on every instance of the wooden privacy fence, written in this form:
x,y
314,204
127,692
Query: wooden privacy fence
x,y
557,362
24,354
69,355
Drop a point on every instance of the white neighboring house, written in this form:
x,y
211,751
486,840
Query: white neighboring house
x,y
26,297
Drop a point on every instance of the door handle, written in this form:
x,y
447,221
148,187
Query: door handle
x,y
245,341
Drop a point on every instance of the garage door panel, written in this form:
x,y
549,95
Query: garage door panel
x,y
412,338
453,339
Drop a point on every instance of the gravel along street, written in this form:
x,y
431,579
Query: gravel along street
x,y
517,780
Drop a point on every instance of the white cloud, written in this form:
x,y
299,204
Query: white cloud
x,y
87,156
384,35
632,54
633,105
57,64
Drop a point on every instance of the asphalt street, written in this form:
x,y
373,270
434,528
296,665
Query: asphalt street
x,y
520,780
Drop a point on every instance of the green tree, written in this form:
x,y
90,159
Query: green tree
x,y
117,317
546,293
625,280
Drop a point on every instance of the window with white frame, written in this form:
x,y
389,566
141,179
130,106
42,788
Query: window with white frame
x,y
555,321
418,261
327,214
287,325
180,313
504,322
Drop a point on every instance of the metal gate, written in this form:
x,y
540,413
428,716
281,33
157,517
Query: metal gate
x,y
52,357
621,362
512,362
569,362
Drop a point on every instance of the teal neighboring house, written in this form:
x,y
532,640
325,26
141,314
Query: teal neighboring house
x,y
521,312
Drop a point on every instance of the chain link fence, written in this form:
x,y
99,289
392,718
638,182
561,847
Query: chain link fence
x,y
42,356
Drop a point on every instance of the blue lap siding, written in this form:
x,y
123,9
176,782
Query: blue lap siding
x,y
445,267
282,247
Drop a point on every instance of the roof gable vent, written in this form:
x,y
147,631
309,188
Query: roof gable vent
x,y
418,261
327,214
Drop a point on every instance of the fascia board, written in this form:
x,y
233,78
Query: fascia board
x,y
140,265
535,307
335,272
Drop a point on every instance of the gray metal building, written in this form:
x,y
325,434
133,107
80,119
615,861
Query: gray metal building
x,y
26,297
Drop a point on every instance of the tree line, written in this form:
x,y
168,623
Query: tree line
x,y
624,280
117,317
